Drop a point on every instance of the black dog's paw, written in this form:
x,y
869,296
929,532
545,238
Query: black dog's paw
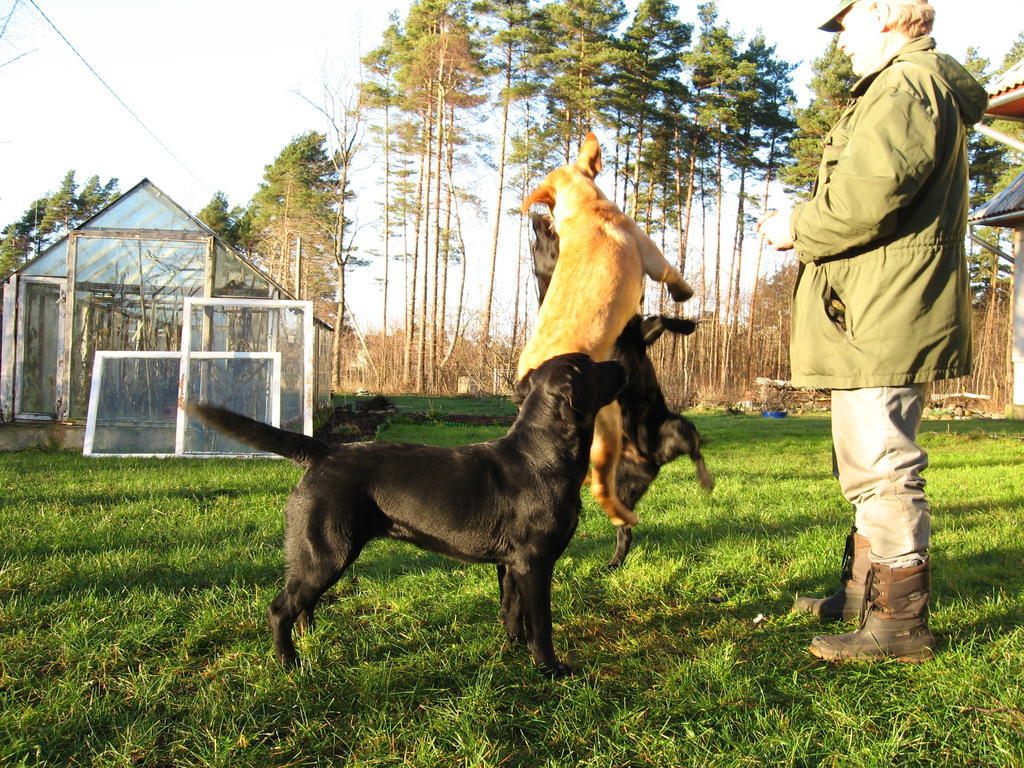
x,y
558,669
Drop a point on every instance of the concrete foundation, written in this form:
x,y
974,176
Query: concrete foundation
x,y
21,436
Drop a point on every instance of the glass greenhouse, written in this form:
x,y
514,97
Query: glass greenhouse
x,y
143,307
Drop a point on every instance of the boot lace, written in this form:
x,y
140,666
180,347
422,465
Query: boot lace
x,y
870,600
847,568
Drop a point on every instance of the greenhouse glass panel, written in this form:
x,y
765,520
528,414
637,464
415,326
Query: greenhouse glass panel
x,y
291,344
225,326
324,352
145,208
220,328
41,333
246,384
134,404
128,296
232,277
52,263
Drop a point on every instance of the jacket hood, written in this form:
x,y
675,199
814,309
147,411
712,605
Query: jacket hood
x,y
971,97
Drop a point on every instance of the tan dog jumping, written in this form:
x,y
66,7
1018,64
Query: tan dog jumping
x,y
595,289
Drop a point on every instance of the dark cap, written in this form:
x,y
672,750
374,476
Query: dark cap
x,y
833,25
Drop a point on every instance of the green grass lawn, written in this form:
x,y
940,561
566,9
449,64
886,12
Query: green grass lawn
x,y
133,597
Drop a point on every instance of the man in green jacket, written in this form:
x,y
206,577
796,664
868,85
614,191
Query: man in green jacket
x,y
882,307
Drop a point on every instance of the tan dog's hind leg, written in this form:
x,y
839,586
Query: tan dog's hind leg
x,y
604,453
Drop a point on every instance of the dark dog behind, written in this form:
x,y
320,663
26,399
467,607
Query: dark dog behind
x,y
513,501
654,434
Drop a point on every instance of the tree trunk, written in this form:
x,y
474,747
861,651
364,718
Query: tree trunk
x,y
488,303
768,178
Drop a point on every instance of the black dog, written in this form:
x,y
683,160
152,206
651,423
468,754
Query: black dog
x,y
514,501
654,435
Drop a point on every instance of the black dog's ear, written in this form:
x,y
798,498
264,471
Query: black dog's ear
x,y
652,327
543,225
544,250
677,436
611,379
521,389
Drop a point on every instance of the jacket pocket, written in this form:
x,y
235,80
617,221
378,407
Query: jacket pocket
x,y
837,311
830,154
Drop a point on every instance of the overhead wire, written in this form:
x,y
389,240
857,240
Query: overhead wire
x,y
117,98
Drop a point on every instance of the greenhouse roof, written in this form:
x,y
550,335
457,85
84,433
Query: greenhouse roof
x,y
143,209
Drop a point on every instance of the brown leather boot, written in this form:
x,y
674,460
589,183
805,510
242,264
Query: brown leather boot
x,y
845,603
895,623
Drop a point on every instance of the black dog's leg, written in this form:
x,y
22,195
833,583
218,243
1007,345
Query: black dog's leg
x,y
634,477
297,598
511,606
534,585
623,542
303,588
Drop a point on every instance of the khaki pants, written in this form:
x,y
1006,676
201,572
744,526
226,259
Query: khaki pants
x,y
878,464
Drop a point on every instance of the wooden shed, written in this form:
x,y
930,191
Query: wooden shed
x,y
1006,101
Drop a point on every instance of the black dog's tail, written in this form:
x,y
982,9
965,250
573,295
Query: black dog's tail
x,y
303,450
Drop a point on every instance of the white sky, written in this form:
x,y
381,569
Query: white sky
x,y
215,80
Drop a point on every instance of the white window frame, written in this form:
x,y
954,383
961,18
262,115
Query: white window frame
x,y
179,435
183,380
308,340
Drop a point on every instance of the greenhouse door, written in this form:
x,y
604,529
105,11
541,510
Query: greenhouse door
x,y
39,349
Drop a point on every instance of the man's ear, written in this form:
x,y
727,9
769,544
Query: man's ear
x,y
883,18
544,194
589,161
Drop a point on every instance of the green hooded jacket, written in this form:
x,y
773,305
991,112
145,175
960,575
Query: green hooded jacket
x,y
881,297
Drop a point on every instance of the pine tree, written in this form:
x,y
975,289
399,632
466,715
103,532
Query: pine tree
x,y
512,38
648,82
833,78
50,217
61,208
380,92
219,216
94,196
773,125
721,83
440,74
581,50
291,212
